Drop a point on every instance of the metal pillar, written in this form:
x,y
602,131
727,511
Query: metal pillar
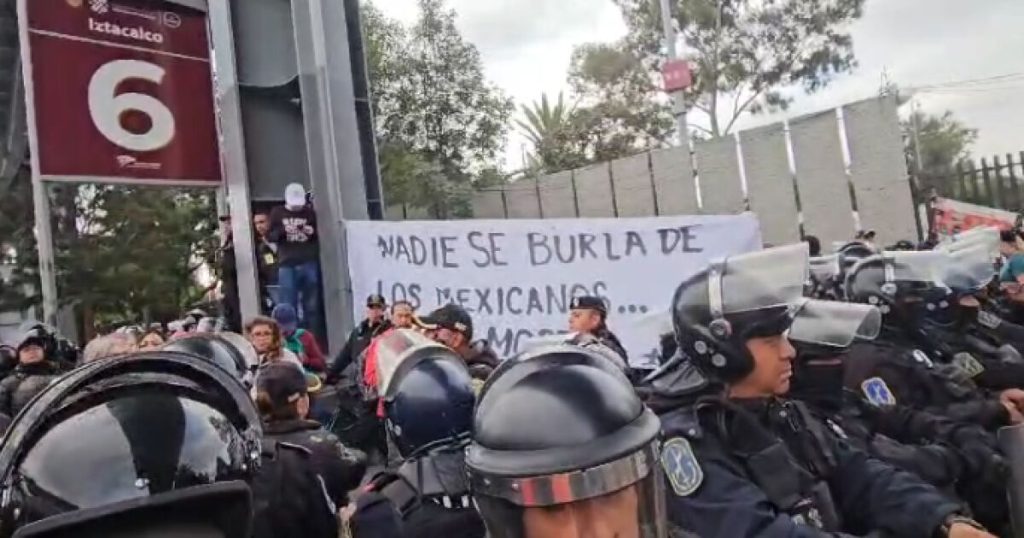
x,y
236,174
678,97
333,147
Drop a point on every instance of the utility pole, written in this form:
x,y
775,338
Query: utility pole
x,y
678,96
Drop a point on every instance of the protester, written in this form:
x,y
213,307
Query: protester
x,y
452,326
266,259
37,367
108,346
590,315
293,228
299,341
153,339
265,336
402,314
359,339
310,472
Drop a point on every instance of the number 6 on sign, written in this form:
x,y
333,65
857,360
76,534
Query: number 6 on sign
x,y
106,108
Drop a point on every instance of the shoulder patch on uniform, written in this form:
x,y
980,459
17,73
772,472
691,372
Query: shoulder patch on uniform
x,y
971,366
681,467
877,392
987,319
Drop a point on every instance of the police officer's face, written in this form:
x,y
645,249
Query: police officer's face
x,y
401,316
374,313
773,368
30,354
610,516
584,320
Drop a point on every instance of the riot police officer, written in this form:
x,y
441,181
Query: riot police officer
x,y
902,366
588,314
153,444
310,471
562,447
741,460
961,459
36,368
428,407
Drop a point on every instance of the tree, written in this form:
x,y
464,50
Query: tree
x,y
122,253
553,132
621,111
746,53
945,141
433,108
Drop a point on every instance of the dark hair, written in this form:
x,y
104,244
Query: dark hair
x,y
1010,236
814,243
271,412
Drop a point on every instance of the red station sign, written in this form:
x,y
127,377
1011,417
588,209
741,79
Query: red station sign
x,y
120,91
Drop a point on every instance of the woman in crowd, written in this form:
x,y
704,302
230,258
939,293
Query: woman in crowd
x,y
110,345
265,335
152,340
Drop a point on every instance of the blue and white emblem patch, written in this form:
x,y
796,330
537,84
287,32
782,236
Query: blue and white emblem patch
x,y
681,467
877,392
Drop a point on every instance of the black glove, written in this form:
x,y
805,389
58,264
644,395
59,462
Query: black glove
x,y
983,462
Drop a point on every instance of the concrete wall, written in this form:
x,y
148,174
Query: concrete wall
x,y
768,170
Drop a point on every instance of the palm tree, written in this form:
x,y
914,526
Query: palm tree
x,y
546,127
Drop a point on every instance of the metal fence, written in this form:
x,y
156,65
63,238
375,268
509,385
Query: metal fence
x,y
828,174
992,181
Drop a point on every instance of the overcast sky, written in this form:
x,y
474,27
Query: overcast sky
x,y
526,45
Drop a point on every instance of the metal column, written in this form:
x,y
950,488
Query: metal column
x,y
333,146
236,174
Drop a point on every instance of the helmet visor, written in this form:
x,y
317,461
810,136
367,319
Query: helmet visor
x,y
834,324
824,268
988,236
972,267
760,280
917,266
622,498
393,348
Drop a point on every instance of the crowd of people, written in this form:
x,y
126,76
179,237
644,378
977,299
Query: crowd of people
x,y
867,392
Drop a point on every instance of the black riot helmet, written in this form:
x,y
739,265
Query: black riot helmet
x,y
561,426
139,439
40,335
747,296
822,334
230,351
907,287
427,392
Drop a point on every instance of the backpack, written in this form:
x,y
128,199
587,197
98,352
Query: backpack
x,y
289,498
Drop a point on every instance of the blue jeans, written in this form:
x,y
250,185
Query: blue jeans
x,y
300,287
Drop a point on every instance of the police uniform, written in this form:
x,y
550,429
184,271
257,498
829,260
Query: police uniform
x,y
888,374
603,334
341,468
769,468
766,466
428,398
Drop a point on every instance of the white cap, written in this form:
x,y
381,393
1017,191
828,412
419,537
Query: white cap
x,y
295,195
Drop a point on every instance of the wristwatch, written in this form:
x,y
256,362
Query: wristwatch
x,y
947,524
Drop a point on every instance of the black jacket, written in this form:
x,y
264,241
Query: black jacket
x,y
358,340
341,468
288,231
24,383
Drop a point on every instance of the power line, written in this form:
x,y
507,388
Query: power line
x,y
970,83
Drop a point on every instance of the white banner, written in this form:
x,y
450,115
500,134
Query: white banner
x,y
517,277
